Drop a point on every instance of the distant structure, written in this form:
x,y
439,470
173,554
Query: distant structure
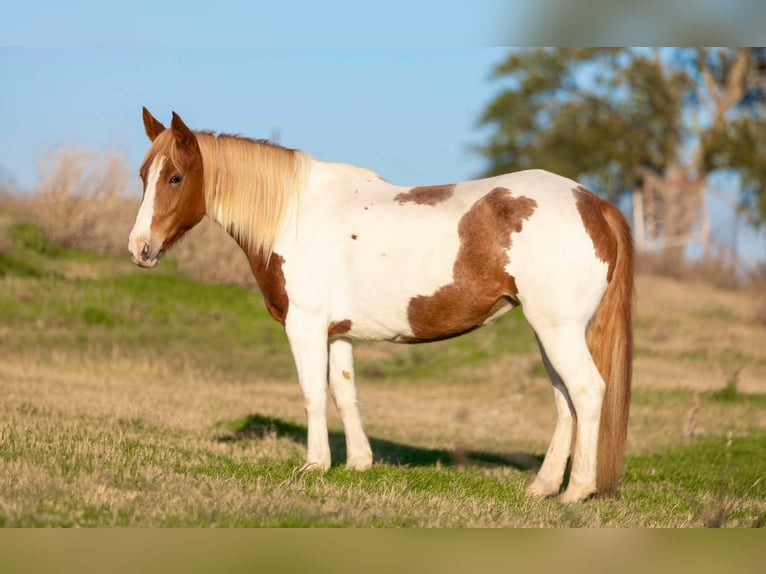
x,y
670,212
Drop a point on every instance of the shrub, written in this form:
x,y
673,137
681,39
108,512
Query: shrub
x,y
81,203
80,200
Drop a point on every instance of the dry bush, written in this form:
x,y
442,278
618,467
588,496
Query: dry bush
x,y
717,269
207,253
81,201
5,241
756,280
13,207
759,315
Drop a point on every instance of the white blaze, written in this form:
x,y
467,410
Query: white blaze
x,y
142,228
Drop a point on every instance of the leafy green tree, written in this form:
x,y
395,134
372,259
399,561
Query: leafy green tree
x,y
623,119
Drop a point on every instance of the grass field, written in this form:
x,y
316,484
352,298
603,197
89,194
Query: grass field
x,y
135,398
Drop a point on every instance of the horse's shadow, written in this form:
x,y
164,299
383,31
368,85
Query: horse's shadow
x,y
258,426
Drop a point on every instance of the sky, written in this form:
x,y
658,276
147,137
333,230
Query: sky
x,y
396,87
410,114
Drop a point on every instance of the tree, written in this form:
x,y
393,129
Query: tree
x,y
622,120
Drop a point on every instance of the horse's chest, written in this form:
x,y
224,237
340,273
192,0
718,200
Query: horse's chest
x,y
271,282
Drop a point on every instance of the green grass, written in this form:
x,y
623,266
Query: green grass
x,y
707,483
702,355
721,466
30,241
50,311
509,335
138,398
123,311
16,267
29,238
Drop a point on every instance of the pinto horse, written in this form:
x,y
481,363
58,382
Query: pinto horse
x,y
340,254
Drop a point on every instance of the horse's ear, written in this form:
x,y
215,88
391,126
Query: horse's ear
x,y
184,136
152,125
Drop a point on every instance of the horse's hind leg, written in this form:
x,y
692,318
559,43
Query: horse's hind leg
x,y
549,478
358,452
568,354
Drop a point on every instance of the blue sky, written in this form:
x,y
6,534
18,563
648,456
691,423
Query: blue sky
x,y
395,86
255,23
409,114
328,75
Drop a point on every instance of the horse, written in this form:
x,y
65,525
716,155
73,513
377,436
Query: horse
x,y
340,254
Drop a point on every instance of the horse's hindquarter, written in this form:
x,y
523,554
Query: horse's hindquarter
x,y
409,265
553,258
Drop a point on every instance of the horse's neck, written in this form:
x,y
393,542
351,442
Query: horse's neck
x,y
324,183
253,192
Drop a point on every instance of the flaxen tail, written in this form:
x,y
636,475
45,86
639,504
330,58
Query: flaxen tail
x,y
610,340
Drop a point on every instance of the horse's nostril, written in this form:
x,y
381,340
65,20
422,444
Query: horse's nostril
x,y
145,252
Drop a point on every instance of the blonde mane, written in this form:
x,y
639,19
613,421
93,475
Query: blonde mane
x,y
249,185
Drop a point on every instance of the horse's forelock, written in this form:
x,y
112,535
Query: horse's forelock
x,y
162,146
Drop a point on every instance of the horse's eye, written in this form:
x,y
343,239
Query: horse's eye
x,y
175,179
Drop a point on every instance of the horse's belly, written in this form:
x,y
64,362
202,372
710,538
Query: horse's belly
x,y
411,311
415,322
388,272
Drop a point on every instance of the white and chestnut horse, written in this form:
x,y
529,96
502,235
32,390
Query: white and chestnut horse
x,y
340,254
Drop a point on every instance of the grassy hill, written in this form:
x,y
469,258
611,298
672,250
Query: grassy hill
x,y
141,398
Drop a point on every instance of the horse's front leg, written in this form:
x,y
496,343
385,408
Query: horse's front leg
x,y
358,452
308,340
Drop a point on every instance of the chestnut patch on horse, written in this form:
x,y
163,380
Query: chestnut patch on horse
x,y
271,281
591,208
337,328
481,285
426,195
177,207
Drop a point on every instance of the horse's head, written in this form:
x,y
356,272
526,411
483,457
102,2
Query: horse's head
x,y
174,200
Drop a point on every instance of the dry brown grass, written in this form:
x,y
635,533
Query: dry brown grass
x,y
757,282
694,336
13,208
121,435
718,269
89,418
209,254
82,201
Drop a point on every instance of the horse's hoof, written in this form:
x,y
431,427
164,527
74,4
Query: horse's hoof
x,y
576,495
540,489
361,463
312,466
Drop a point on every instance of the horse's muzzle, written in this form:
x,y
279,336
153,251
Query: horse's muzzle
x,y
143,256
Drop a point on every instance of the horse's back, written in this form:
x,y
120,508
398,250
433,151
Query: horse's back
x,y
447,258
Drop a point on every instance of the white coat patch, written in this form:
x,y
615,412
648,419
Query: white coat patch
x,y
142,228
